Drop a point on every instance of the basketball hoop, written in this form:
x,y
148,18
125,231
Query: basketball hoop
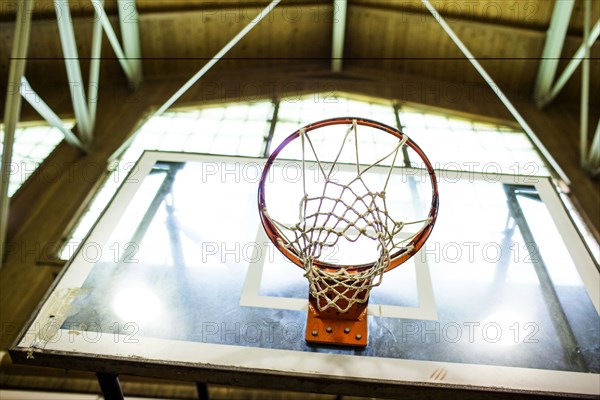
x,y
334,214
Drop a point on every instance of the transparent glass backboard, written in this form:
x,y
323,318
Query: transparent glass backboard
x,y
179,270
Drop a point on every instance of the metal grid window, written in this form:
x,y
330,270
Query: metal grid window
x,y
453,143
233,129
294,114
31,147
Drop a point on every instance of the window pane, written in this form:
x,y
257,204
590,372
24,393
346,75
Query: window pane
x,y
459,144
313,108
234,129
31,147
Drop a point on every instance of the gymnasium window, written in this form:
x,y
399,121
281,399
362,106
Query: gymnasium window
x,y
451,142
294,114
233,129
33,143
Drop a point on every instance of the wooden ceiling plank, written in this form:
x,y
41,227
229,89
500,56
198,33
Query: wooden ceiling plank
x,y
530,14
281,43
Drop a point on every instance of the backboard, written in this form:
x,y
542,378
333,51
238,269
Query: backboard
x,y
178,276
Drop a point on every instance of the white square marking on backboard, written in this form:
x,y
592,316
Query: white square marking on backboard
x,y
251,296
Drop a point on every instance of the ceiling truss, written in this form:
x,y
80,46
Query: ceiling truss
x,y
12,109
84,106
546,89
555,38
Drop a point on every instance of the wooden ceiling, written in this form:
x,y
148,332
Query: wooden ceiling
x,y
179,36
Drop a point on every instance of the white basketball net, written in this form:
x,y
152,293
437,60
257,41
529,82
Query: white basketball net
x,y
338,218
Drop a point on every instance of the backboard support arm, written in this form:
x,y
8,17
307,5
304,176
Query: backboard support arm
x,y
110,386
568,341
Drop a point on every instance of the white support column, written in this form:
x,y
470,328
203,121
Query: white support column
x,y
571,67
198,75
128,18
340,10
12,109
585,86
594,158
46,112
555,38
76,85
94,79
114,41
496,89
